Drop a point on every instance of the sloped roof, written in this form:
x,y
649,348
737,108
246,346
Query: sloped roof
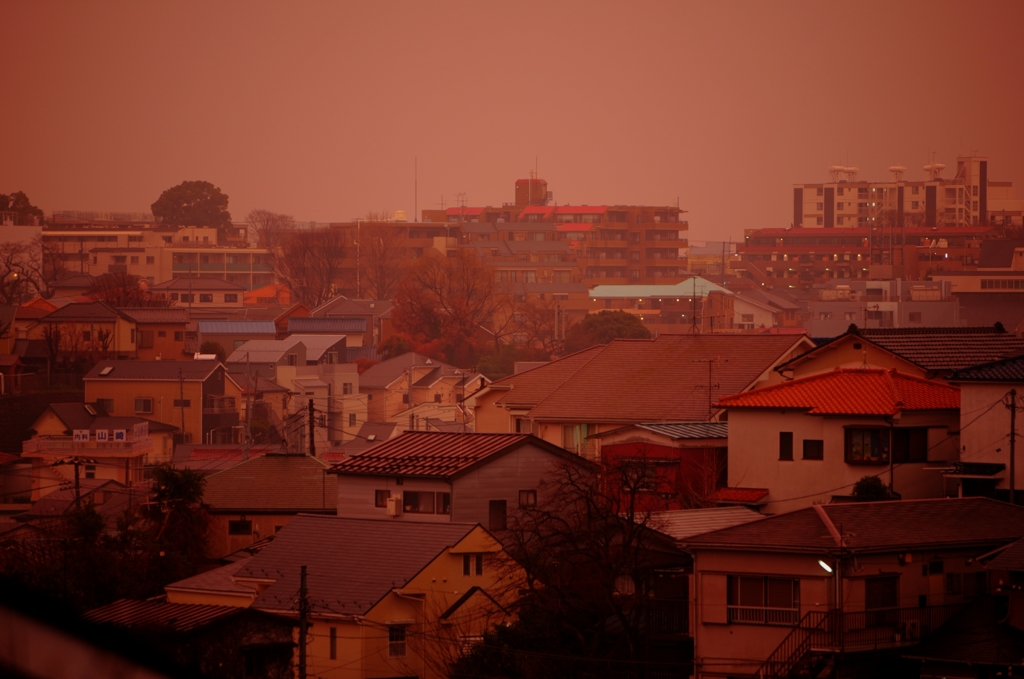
x,y
947,349
686,523
258,383
154,370
157,314
851,392
696,286
77,416
998,254
876,526
664,379
530,387
343,306
688,430
317,345
329,324
84,312
234,327
437,454
341,576
159,614
197,283
386,372
285,483
1010,559
1006,370
262,351
217,580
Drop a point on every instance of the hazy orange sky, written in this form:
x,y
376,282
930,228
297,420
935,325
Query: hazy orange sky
x,y
318,109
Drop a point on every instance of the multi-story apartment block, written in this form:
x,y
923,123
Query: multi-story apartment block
x,y
968,199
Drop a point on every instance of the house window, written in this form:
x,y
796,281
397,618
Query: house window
x,y
106,404
135,259
351,419
145,339
418,502
380,498
150,260
87,335
747,318
759,600
915,316
346,388
90,471
881,598
867,446
182,403
954,583
187,297
240,527
785,445
814,449
472,562
174,297
396,641
161,333
179,336
293,359
910,444
444,503
206,297
230,297
437,398
527,498
332,357
334,643
144,405
132,336
497,515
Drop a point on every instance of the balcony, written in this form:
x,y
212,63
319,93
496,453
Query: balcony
x,y
66,446
748,615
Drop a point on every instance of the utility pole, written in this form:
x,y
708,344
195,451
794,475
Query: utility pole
x,y
181,402
312,424
303,620
1013,445
78,490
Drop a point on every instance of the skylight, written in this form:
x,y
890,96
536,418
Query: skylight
x,y
106,371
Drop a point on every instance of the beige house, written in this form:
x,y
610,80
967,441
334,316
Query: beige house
x,y
93,328
387,598
392,386
198,397
839,583
813,438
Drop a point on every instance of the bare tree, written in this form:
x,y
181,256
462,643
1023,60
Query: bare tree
x,y
14,286
383,256
269,229
29,269
125,290
310,263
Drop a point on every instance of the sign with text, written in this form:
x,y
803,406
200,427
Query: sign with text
x,y
102,435
80,435
120,435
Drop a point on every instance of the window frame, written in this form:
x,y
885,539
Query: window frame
x,y
880,441
740,612
785,446
415,508
809,452
397,641
143,410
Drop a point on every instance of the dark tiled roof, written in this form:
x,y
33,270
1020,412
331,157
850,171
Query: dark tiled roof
x,y
947,349
285,483
386,372
1010,559
657,380
258,384
234,327
154,370
219,579
877,526
157,314
351,563
84,312
689,430
77,416
851,392
1006,370
197,283
435,454
329,325
159,614
530,387
353,354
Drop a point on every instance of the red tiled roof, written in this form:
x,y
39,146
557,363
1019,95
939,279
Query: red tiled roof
x,y
660,380
435,454
743,496
851,392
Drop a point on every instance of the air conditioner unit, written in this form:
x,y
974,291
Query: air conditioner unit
x,y
394,506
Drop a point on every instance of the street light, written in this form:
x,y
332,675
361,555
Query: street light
x,y
821,562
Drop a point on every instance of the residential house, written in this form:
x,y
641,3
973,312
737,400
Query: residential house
x,y
298,310
232,334
197,396
210,458
257,497
685,462
933,353
370,434
160,332
386,598
986,395
201,293
329,349
89,328
814,437
875,304
672,378
354,329
263,357
695,303
109,498
79,440
445,477
839,583
265,405
376,312
392,386
218,642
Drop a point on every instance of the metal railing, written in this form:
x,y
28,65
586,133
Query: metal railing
x,y
64,446
763,616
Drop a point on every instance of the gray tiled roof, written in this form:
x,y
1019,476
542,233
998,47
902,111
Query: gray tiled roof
x,y
157,314
328,324
153,370
386,372
350,563
689,430
1006,370
237,328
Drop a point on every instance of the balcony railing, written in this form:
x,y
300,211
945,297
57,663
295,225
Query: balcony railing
x,y
750,615
67,446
